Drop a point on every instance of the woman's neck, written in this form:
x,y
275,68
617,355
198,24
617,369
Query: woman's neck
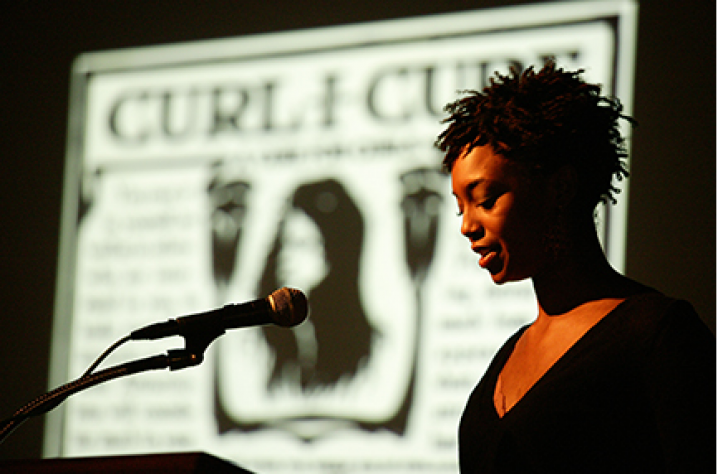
x,y
580,276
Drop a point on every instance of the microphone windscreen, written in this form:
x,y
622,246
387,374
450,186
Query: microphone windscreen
x,y
290,306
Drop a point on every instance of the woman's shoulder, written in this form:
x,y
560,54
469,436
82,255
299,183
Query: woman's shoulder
x,y
652,307
653,317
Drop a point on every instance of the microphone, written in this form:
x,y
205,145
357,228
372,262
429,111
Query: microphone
x,y
285,307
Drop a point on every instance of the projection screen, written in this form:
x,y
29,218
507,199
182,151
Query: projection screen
x,y
218,171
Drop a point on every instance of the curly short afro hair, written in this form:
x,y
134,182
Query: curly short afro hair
x,y
543,120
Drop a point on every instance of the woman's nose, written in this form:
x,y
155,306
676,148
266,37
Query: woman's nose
x,y
470,226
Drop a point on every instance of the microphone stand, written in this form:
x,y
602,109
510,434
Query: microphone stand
x,y
196,342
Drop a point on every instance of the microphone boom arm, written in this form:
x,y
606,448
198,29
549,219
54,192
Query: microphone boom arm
x,y
174,359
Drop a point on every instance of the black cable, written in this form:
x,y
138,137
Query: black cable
x,y
104,355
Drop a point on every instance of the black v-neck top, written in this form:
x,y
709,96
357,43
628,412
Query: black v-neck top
x,y
636,394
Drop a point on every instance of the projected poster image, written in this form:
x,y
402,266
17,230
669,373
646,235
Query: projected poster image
x,y
220,172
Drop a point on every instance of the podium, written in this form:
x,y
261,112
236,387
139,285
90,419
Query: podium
x,y
184,463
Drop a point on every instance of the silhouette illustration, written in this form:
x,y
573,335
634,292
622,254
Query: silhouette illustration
x,y
318,249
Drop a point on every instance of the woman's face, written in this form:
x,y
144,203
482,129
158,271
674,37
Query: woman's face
x,y
301,261
504,214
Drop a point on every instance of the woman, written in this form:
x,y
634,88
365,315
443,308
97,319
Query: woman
x,y
612,376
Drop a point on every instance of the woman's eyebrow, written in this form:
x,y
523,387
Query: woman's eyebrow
x,y
473,184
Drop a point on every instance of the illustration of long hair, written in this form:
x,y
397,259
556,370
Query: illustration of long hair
x,y
342,335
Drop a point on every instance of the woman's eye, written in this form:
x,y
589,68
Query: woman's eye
x,y
488,203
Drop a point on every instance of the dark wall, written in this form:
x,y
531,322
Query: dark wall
x,y
671,234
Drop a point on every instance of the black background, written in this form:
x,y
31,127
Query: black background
x,y
671,228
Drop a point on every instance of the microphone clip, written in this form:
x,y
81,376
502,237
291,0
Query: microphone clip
x,y
197,335
178,359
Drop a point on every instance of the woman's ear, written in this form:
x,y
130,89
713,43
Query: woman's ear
x,y
564,183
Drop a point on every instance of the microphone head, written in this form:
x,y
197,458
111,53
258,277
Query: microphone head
x,y
290,307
